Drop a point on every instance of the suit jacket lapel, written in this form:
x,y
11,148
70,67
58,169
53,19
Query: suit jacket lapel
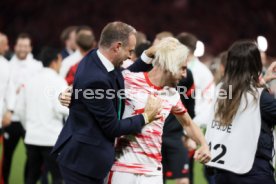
x,y
102,67
120,81
121,84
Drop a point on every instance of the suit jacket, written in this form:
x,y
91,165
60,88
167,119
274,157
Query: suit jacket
x,y
86,143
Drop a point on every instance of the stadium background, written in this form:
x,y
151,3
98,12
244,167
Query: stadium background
x,y
216,23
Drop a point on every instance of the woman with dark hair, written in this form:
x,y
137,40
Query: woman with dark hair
x,y
241,121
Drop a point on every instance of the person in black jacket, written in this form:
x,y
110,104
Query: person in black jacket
x,y
85,147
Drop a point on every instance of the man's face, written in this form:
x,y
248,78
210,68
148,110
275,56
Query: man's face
x,y
4,45
125,53
71,42
59,61
174,79
23,48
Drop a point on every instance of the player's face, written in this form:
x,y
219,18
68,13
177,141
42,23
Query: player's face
x,y
174,79
126,52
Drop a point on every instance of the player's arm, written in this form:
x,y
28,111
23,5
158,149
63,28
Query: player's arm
x,y
193,131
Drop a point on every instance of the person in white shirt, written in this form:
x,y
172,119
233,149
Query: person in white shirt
x,y
42,117
204,87
85,41
23,67
7,92
4,76
203,78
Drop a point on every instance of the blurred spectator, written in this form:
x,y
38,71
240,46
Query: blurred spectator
x,y
68,37
23,67
218,66
42,116
85,40
7,94
204,87
203,78
141,38
139,49
4,44
4,73
161,35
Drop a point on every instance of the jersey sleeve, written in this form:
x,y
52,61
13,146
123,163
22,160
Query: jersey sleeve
x,y
179,108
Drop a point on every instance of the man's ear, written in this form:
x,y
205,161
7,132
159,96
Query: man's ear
x,y
117,46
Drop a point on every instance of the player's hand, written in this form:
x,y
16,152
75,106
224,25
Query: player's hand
x,y
7,119
150,52
65,97
203,154
189,143
153,108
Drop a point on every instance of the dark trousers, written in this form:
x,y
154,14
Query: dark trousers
x,y
209,177
261,173
12,135
73,177
231,178
191,169
37,156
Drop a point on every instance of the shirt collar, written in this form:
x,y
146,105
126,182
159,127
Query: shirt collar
x,y
107,64
50,70
2,58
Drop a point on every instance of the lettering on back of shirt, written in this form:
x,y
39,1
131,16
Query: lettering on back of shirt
x,y
216,125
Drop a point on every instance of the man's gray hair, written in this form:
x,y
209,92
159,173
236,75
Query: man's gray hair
x,y
114,32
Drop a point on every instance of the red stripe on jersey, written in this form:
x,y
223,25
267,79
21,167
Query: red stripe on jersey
x,y
110,177
191,90
156,156
150,83
138,111
208,87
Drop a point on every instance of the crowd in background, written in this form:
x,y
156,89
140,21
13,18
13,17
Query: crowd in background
x,y
29,106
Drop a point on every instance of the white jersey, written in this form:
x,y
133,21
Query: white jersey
x,y
204,89
142,154
68,62
4,76
39,109
22,71
233,147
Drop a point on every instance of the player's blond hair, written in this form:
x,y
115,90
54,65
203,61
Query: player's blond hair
x,y
170,55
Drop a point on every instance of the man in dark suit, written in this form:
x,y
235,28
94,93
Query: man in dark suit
x,y
85,147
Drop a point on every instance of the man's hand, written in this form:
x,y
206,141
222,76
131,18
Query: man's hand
x,y
203,154
65,97
150,52
7,119
189,143
153,108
